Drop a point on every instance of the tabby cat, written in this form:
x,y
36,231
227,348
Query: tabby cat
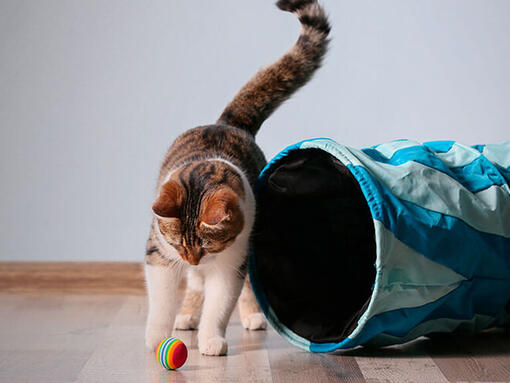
x,y
205,207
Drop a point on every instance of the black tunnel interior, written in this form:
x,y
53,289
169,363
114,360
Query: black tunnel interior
x,y
314,246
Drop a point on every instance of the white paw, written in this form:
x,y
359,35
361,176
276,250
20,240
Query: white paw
x,y
186,322
216,345
255,321
155,334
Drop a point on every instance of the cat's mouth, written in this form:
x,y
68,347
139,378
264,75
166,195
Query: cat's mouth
x,y
193,256
207,259
197,261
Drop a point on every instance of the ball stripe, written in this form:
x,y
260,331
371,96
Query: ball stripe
x,y
158,350
180,355
171,353
168,352
164,356
162,353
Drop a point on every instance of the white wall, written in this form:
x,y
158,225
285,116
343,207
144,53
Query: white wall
x,y
93,92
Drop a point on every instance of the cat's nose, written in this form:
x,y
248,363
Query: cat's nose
x,y
195,256
193,261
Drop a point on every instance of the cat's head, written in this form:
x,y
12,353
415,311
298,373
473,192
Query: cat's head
x,y
199,209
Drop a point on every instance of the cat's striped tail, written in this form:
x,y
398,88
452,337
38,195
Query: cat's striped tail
x,y
272,85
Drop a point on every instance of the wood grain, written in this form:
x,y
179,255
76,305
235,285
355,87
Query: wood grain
x,y
410,370
290,364
483,357
48,338
72,277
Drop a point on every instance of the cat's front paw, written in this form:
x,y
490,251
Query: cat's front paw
x,y
186,322
216,345
254,321
154,335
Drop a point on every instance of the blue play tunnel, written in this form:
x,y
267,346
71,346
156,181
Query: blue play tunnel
x,y
382,245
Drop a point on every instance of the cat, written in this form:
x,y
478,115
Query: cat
x,y
205,207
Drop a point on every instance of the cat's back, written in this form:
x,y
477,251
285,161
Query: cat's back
x,y
216,141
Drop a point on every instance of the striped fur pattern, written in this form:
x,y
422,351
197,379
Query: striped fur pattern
x,y
271,86
201,163
205,208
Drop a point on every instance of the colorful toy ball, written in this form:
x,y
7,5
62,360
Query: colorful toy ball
x,y
171,353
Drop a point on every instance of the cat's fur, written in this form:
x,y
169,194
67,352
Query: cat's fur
x,y
205,208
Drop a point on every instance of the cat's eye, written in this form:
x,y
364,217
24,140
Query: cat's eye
x,y
178,247
207,244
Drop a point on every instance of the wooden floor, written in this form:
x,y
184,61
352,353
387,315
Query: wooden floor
x,y
99,338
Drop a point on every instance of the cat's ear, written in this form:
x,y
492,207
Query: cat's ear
x,y
169,200
220,207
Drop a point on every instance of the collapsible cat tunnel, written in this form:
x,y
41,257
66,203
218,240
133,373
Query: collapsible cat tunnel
x,y
382,245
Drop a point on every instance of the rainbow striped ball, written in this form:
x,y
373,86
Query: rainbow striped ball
x,y
171,353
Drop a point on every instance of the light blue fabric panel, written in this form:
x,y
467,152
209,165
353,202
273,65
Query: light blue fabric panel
x,y
406,278
498,154
458,155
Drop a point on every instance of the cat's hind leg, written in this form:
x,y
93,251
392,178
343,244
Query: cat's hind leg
x,y
191,307
252,317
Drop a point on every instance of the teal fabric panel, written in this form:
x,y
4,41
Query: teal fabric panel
x,y
387,150
439,146
442,325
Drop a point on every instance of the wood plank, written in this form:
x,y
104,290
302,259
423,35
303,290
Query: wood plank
x,y
42,366
55,322
99,338
420,369
121,355
483,358
289,364
72,277
407,363
49,338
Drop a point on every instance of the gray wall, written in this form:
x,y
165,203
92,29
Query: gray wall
x,y
93,92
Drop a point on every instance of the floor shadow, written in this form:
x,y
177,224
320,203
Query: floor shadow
x,y
487,343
